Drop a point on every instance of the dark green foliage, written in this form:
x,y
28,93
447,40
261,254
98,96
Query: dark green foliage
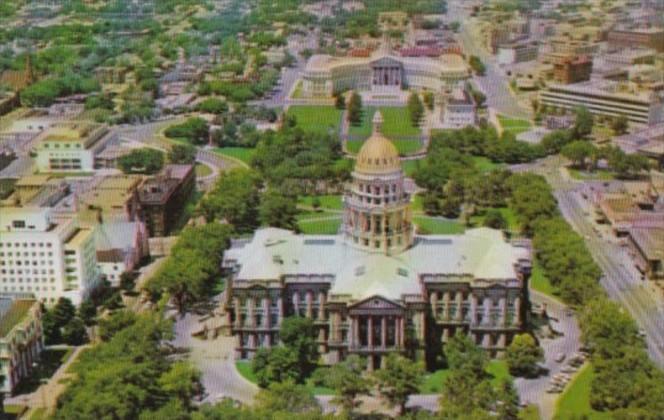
x,y
400,378
87,311
44,92
523,355
213,106
348,381
278,210
495,219
354,112
74,332
116,322
234,199
142,161
583,125
620,124
63,312
415,109
477,65
182,153
194,130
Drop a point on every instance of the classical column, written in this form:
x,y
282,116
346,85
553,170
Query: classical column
x,y
516,320
296,302
310,299
280,304
502,341
356,331
266,340
252,341
402,331
420,332
370,331
446,305
503,310
250,312
334,325
446,334
266,312
238,311
459,304
434,304
473,309
383,332
486,340
487,310
321,305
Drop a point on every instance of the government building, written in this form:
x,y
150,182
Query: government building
x,y
381,73
377,286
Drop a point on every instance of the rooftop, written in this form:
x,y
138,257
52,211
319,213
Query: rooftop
x,y
651,242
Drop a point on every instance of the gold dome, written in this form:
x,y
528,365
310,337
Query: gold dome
x,y
378,154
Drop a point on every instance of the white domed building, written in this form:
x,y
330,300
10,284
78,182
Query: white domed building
x,y
377,287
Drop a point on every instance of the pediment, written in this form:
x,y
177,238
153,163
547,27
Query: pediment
x,y
386,62
376,302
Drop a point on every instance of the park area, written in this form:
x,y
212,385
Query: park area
x,y
243,154
514,125
320,119
396,126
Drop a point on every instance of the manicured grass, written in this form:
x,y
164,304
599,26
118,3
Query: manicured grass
x,y
202,170
434,226
320,227
597,175
516,126
531,412
539,281
405,147
333,202
433,382
484,164
416,203
575,400
410,166
244,154
396,123
316,118
244,369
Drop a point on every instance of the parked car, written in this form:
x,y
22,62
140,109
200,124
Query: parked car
x,y
560,357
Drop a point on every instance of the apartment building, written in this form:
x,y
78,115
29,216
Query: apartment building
x,y
519,52
48,255
648,37
569,69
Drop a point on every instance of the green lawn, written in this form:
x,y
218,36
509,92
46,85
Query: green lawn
x,y
539,281
202,170
244,154
575,400
396,123
409,166
433,382
434,226
405,147
484,164
319,222
597,175
332,202
316,118
516,126
244,368
529,413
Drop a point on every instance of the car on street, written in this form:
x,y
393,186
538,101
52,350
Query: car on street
x,y
560,357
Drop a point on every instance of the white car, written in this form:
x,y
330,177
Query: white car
x,y
560,357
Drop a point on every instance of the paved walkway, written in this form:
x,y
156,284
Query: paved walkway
x,y
215,359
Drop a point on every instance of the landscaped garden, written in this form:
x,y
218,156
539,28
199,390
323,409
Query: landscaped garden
x,y
404,146
574,402
396,123
433,382
244,368
316,118
514,125
243,154
202,170
319,222
506,212
539,281
428,225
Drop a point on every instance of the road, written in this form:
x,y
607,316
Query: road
x,y
621,279
494,84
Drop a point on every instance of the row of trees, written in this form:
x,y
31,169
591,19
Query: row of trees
x,y
585,155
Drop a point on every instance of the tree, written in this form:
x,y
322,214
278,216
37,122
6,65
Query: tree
x,y
399,378
507,401
477,65
463,354
620,124
495,219
182,381
52,333
340,101
300,334
278,210
234,199
355,109
195,130
428,100
347,380
116,322
213,106
74,333
583,126
63,312
182,153
87,311
578,152
286,397
277,364
127,281
415,109
523,355
142,161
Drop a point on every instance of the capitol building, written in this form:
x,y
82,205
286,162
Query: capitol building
x,y
383,72
377,286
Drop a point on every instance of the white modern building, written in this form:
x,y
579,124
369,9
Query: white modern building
x,y
46,255
71,146
459,110
517,53
641,106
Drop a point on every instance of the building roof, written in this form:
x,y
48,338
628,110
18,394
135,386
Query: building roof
x,y
12,312
378,155
650,241
79,237
480,254
116,235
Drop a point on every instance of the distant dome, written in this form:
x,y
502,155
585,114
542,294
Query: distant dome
x,y
378,155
